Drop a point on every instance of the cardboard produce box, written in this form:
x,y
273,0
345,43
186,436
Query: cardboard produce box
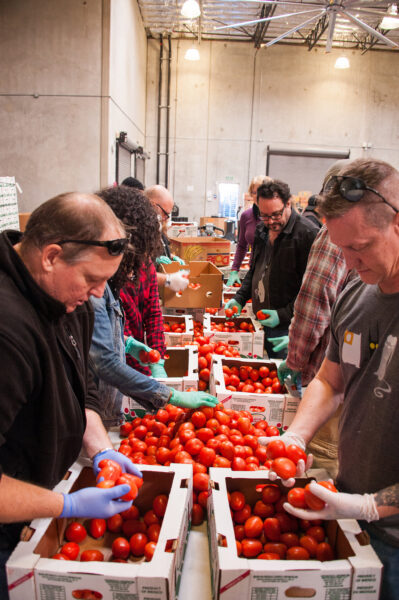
x,y
183,229
179,339
212,249
23,219
217,221
276,409
356,573
248,343
196,313
33,575
209,292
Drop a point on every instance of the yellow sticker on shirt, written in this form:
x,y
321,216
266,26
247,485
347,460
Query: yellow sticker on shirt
x,y
351,348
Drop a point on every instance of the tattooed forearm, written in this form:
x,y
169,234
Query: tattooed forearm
x,y
388,496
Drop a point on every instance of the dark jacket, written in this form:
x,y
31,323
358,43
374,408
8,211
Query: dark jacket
x,y
44,378
310,213
289,257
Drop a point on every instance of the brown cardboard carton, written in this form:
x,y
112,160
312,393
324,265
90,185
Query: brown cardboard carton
x,y
209,293
23,219
212,249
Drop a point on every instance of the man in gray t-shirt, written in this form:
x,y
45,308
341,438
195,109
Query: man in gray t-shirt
x,y
361,207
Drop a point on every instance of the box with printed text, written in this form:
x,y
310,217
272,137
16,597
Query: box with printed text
x,y
249,343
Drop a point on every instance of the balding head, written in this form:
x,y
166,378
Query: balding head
x,y
71,216
161,198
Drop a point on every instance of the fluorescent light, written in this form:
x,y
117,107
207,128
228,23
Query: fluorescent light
x,y
192,54
342,63
391,20
190,9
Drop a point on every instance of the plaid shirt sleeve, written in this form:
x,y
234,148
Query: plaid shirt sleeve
x,y
142,310
309,331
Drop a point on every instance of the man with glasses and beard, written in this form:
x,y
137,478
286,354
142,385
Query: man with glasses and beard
x,y
282,243
163,203
49,406
360,370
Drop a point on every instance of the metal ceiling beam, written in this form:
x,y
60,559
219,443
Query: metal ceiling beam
x,y
313,37
261,28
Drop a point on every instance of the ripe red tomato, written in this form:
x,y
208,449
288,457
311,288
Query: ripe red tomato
x,y
149,550
253,527
284,467
159,504
238,464
89,555
295,453
204,374
154,356
276,448
197,514
309,542
97,528
248,389
317,532
75,532
240,516
263,510
271,493
271,527
237,500
271,431
268,556
60,556
194,446
324,552
263,372
312,501
137,544
114,523
276,548
153,532
289,539
120,547
296,497
198,419
251,548
71,550
131,481
200,482
297,553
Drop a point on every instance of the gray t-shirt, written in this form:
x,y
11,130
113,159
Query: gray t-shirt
x,y
364,341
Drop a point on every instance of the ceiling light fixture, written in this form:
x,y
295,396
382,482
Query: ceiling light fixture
x,y
391,21
342,63
192,54
190,9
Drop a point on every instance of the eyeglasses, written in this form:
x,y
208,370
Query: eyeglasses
x,y
114,247
352,189
276,216
167,215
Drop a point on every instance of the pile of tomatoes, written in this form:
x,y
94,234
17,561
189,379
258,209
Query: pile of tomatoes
x,y
211,437
174,327
134,535
234,326
266,531
252,380
206,349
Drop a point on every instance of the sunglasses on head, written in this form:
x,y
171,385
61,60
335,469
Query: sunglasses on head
x,y
114,247
352,189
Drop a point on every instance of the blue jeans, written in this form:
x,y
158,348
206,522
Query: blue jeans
x,y
389,556
271,332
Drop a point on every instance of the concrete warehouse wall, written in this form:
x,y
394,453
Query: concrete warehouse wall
x,y
227,107
66,88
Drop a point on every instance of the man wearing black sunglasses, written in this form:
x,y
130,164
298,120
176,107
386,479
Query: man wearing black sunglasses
x,y
361,368
49,405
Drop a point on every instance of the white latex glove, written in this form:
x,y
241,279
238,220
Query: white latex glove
x,y
338,506
178,281
290,437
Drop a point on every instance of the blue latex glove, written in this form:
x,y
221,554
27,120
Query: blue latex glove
x,y
94,502
163,260
231,304
121,459
273,319
158,369
283,373
192,399
179,260
233,278
279,343
134,347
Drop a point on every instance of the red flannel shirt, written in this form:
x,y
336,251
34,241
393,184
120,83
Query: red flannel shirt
x,y
143,314
325,276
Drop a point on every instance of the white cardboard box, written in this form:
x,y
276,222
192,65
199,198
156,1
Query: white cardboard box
x,y
182,368
276,409
178,229
356,573
32,575
246,342
179,339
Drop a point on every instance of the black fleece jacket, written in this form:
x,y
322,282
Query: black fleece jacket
x,y
44,376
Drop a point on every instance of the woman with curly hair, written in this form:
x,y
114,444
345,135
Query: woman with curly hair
x,y
107,353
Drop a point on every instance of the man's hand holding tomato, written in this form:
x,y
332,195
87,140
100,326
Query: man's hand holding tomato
x,y
337,506
270,317
289,438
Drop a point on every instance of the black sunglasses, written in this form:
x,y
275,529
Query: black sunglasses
x,y
167,215
352,189
114,247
